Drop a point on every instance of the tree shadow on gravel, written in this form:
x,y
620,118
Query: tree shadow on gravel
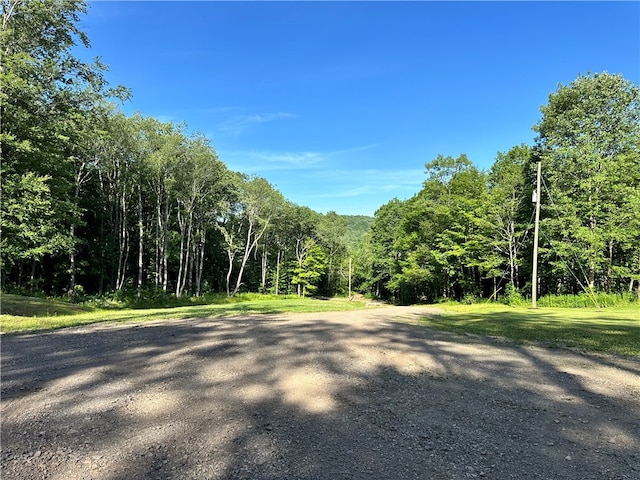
x,y
268,397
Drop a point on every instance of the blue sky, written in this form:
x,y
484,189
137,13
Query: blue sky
x,y
340,104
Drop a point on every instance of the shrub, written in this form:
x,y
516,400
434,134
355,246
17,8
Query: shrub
x,y
512,296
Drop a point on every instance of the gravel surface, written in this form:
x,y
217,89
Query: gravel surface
x,y
351,395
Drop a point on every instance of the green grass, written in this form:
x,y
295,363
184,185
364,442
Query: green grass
x,y
29,314
609,330
37,306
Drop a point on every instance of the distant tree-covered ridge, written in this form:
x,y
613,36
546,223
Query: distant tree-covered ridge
x,y
357,227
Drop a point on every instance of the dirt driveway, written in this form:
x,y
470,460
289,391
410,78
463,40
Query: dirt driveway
x,y
350,395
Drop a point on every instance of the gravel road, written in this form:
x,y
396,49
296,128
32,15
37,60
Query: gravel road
x,y
351,395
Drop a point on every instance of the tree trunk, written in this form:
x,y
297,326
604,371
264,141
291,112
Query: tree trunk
x,y
638,290
102,239
123,245
330,275
140,243
81,177
185,250
609,273
277,286
263,266
72,265
230,256
165,248
190,270
158,224
245,257
200,262
300,254
512,261
249,247
32,276
181,223
188,263
495,289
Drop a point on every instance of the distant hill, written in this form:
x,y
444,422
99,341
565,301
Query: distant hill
x,y
357,227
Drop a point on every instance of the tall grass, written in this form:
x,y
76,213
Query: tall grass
x,y
581,300
584,300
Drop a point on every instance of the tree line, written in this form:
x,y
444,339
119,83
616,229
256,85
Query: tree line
x,y
468,233
95,201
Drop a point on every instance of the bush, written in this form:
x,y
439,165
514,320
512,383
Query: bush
x,y
512,296
470,299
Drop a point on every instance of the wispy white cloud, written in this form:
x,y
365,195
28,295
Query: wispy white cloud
x,y
217,110
165,118
330,180
253,161
353,191
238,124
261,161
355,183
290,159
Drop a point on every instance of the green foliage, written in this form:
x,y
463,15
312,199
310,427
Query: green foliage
x,y
507,214
308,273
384,253
513,297
95,201
330,233
357,226
589,145
441,233
29,230
467,233
47,98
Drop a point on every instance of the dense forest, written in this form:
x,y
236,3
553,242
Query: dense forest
x,y
95,202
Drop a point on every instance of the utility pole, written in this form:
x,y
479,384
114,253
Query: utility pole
x,y
534,277
349,278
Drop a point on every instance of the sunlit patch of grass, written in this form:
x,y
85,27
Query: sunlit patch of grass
x,y
258,305
609,330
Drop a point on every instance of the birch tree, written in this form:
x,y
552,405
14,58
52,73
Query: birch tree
x,y
587,141
260,202
508,203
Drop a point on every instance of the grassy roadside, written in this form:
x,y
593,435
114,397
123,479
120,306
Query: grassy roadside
x,y
613,330
37,314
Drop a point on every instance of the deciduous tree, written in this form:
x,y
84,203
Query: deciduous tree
x,y
588,143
